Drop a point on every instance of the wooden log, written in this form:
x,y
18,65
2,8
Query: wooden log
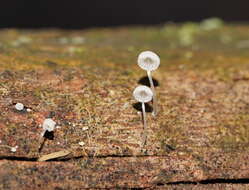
x,y
84,80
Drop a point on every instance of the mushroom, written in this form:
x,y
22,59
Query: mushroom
x,y
48,125
19,106
150,61
143,94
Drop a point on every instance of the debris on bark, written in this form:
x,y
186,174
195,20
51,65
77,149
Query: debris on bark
x,y
54,155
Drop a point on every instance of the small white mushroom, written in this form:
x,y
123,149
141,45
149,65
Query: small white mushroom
x,y
19,106
13,149
150,61
81,143
85,128
143,94
48,125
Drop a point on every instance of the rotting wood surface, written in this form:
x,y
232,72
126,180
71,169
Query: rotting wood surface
x,y
84,81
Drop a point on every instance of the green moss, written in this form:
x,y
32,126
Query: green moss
x,y
234,133
224,74
22,40
211,24
187,33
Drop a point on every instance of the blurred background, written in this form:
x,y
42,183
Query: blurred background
x,y
78,14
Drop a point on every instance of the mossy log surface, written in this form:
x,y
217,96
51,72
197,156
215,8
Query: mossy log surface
x,y
84,80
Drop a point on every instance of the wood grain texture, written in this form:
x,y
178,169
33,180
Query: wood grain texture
x,y
84,81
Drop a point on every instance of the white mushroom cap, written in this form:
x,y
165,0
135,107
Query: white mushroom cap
x,y
148,60
13,149
81,143
143,93
48,125
19,106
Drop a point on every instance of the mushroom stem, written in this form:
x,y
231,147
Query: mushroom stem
x,y
43,133
145,124
154,113
144,115
42,142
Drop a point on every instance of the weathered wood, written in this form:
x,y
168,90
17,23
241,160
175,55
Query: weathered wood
x,y
120,172
84,81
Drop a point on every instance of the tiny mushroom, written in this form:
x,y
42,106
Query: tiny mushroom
x,y
143,94
150,61
19,106
13,149
81,143
48,125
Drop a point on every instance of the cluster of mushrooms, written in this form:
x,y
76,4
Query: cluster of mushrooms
x,y
148,61
48,126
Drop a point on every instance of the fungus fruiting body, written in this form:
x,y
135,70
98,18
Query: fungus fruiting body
x,y
150,61
19,106
81,143
143,94
13,149
48,125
